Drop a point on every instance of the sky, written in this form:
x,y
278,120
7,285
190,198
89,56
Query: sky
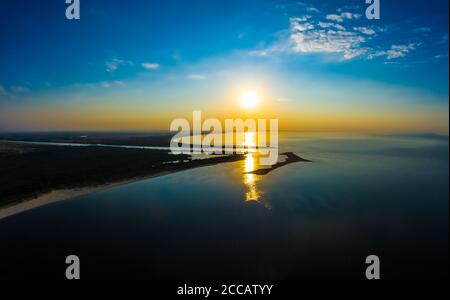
x,y
137,65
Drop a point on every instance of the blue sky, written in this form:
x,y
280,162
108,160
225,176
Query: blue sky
x,y
136,46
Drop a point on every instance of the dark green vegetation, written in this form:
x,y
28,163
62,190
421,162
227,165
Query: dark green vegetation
x,y
110,138
30,170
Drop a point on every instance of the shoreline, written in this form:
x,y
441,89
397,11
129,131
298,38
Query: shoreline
x,y
60,195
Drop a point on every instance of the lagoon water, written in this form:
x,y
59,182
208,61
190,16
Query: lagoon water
x,y
360,195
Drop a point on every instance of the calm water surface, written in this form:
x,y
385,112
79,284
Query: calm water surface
x,y
361,195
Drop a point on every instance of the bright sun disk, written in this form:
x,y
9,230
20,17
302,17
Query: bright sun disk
x,y
250,99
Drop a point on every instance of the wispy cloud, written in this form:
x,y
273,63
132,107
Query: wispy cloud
x,y
150,66
299,24
334,17
13,91
308,36
109,84
396,51
331,25
422,30
313,10
114,64
349,8
19,89
439,56
196,77
365,30
339,34
349,15
343,16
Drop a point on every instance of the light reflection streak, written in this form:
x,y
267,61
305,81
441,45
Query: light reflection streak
x,y
250,164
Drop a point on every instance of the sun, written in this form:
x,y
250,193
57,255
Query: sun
x,y
250,99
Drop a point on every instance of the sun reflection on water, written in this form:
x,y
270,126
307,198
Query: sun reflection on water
x,y
250,180
250,164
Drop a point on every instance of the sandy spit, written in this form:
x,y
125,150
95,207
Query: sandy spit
x,y
64,194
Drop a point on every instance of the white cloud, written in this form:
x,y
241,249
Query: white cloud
x,y
324,40
365,30
333,25
336,18
297,25
328,35
150,66
301,19
344,15
313,10
397,51
349,15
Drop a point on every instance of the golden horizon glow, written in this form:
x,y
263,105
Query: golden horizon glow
x,y
309,110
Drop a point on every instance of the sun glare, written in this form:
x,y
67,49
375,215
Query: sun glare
x,y
250,99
